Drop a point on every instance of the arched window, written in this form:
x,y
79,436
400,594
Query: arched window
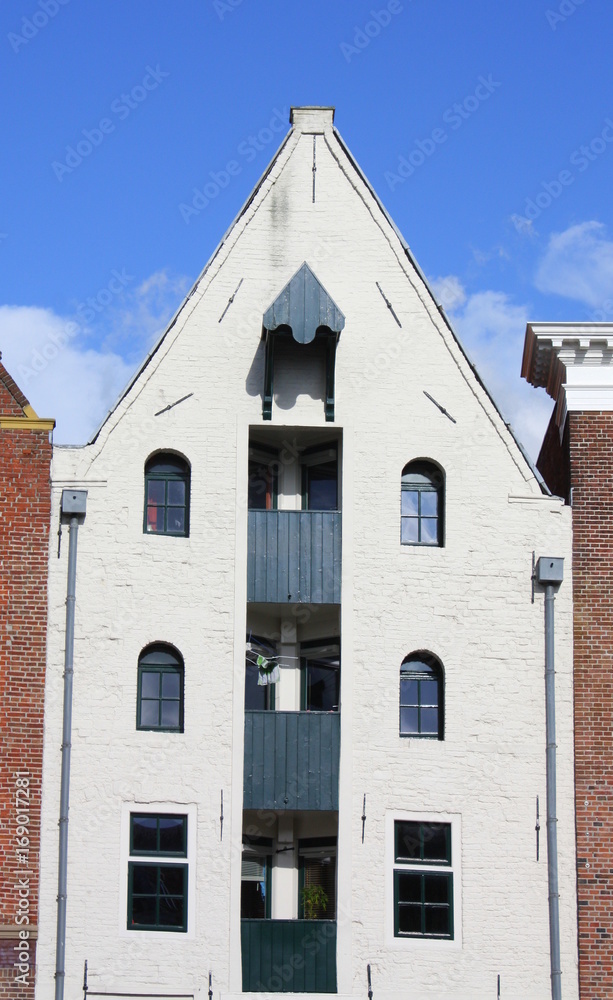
x,y
422,504
166,495
160,689
421,697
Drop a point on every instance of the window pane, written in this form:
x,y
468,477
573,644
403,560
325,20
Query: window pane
x,y
409,919
408,841
176,520
170,715
409,530
155,518
256,696
409,720
150,684
172,834
144,879
436,842
156,490
171,685
253,901
437,920
322,688
144,835
172,911
171,881
408,692
149,713
429,504
409,502
143,910
429,530
260,486
409,888
321,486
436,889
176,492
429,693
429,720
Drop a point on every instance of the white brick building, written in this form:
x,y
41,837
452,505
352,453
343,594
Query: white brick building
x,y
356,511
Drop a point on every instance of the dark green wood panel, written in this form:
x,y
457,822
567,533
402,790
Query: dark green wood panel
x,y
288,956
291,760
294,556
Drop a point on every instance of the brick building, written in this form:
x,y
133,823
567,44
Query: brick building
x,y
574,362
309,712
25,494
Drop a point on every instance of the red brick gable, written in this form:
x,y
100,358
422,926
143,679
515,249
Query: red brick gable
x,y
12,399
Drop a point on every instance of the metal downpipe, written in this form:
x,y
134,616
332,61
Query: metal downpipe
x,y
552,817
73,503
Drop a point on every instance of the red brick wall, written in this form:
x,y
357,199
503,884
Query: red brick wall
x,y
25,457
591,475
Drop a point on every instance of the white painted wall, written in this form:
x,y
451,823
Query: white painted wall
x,y
469,603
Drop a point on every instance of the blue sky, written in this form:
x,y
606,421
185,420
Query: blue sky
x,y
486,128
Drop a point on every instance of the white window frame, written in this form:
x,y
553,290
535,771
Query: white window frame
x,y
157,808
455,870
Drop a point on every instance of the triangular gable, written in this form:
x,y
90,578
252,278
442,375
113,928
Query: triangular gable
x,y
12,399
15,410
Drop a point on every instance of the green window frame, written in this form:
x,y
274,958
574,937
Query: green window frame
x,y
422,501
160,690
158,886
167,495
421,700
423,894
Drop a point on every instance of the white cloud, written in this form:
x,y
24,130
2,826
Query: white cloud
x,y
492,330
449,292
61,377
578,264
73,369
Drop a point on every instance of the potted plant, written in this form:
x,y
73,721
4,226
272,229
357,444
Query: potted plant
x,y
314,901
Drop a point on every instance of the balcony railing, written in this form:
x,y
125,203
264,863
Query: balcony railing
x,y
295,556
289,956
291,760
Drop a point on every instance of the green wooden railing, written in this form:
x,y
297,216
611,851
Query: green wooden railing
x,y
288,956
291,760
294,556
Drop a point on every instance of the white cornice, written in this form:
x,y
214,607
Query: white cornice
x,y
573,362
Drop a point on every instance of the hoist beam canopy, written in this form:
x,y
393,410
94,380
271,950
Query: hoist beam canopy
x,y
304,306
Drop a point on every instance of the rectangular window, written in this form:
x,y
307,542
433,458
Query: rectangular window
x,y
317,878
157,883
320,664
423,893
263,484
319,479
256,870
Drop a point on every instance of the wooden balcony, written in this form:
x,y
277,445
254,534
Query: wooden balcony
x,y
288,956
291,760
294,556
